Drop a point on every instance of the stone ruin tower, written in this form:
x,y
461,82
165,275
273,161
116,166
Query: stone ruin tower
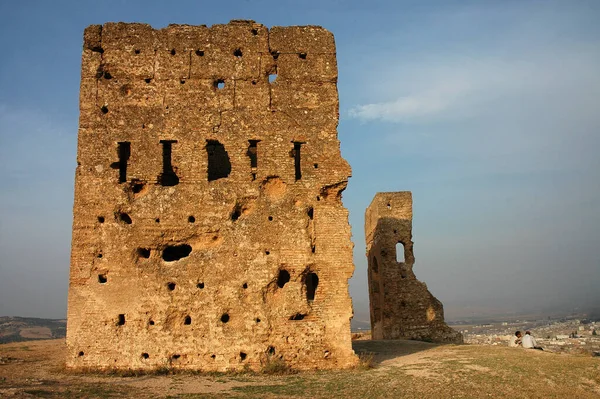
x,y
208,230
401,306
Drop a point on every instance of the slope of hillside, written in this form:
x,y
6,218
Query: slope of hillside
x,y
403,369
18,329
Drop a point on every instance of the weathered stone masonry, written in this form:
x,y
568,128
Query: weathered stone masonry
x,y
208,226
401,306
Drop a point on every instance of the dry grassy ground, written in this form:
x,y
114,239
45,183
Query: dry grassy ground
x,y
403,369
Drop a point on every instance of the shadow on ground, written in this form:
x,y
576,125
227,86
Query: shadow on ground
x,y
383,350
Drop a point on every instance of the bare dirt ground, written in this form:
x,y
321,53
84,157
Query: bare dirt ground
x,y
402,369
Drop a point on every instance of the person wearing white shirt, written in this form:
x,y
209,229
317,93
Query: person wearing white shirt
x,y
528,342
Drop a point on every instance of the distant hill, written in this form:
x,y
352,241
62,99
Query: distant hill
x,y
17,329
360,325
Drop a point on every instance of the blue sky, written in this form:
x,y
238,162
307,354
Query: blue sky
x,y
488,111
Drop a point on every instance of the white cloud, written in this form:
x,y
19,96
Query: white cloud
x,y
448,87
416,106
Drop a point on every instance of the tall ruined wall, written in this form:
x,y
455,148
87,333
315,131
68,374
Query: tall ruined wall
x,y
208,226
401,306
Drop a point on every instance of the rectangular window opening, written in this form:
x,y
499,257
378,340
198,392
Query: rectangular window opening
x,y
296,152
219,165
124,152
253,155
168,177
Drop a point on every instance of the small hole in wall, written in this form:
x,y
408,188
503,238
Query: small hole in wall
x,y
123,217
267,252
257,320
145,355
275,54
191,219
176,356
297,316
254,32
200,285
395,231
137,186
271,350
173,52
225,318
137,51
182,81
102,278
219,84
238,53
98,49
121,321
147,80
270,218
310,212
104,109
254,82
245,286
80,354
99,256
316,165
283,278
242,356
151,322
318,198
213,356
171,286
313,248
187,321
237,212
176,252
272,77
100,219
157,220
143,253
199,53
302,56
389,206
107,75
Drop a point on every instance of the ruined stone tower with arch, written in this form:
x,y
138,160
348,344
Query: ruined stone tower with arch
x,y
208,230
401,306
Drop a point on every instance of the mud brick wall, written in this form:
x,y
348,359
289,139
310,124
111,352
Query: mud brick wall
x,y
208,226
401,306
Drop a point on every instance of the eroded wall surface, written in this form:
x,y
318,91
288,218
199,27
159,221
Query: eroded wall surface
x,y
208,226
401,306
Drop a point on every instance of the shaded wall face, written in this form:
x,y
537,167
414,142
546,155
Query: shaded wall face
x,y
401,306
208,226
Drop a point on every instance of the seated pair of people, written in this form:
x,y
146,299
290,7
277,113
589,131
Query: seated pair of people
x,y
527,341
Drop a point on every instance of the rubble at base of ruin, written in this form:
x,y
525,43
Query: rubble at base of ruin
x,y
208,231
401,306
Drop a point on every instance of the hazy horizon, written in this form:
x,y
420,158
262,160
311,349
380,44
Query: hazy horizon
x,y
486,110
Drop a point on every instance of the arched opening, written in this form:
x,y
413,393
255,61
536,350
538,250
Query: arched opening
x,y
400,252
374,265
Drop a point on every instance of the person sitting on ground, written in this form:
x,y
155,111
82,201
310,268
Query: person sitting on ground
x,y
528,342
515,340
